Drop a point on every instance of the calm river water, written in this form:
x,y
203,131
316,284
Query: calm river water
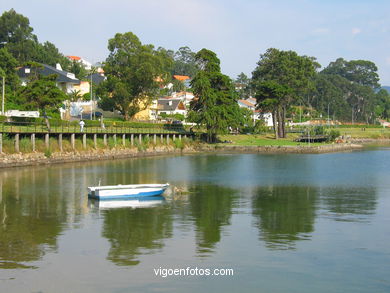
x,y
282,223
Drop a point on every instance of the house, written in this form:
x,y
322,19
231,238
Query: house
x,y
247,104
185,79
250,104
87,65
384,123
186,97
85,86
181,78
66,81
168,106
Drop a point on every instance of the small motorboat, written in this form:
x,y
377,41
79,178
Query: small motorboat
x,y
113,192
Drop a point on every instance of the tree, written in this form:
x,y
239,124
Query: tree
x,y
184,62
49,54
242,86
134,74
281,78
16,35
42,94
330,94
382,104
215,105
78,69
8,63
362,72
348,89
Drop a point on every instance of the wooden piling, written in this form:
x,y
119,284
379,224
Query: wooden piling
x,y
33,141
60,141
17,143
47,142
72,141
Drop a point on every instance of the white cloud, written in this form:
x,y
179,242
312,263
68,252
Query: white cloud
x,y
356,31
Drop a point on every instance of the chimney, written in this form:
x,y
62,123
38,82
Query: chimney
x,y
58,66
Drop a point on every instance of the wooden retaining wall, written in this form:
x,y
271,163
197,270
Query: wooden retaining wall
x,y
123,138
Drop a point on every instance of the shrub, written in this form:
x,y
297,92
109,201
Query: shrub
x,y
333,134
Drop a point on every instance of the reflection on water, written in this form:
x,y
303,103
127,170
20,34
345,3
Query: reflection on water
x,y
142,202
31,217
135,231
211,208
349,204
284,214
220,201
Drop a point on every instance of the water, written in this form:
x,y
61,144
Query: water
x,y
283,223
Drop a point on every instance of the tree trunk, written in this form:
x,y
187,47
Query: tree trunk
x,y
46,120
280,122
275,124
284,121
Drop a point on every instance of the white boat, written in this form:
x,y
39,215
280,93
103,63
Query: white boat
x,y
110,192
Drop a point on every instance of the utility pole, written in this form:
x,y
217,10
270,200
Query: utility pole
x,y
3,96
91,97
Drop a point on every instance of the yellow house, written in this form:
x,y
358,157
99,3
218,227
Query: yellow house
x,y
147,111
83,87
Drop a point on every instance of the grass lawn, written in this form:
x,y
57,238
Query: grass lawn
x,y
261,140
375,133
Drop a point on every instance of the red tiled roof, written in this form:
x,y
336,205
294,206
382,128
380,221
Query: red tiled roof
x,y
181,77
76,58
245,102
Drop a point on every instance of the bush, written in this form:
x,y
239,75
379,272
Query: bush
x,y
319,130
333,134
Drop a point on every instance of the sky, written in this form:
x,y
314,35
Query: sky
x,y
238,31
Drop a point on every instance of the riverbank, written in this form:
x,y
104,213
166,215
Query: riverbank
x,y
38,158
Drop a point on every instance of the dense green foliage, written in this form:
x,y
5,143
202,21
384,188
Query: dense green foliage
x,y
279,80
42,94
7,69
184,62
134,74
347,91
216,104
17,37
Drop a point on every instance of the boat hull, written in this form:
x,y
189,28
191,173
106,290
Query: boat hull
x,y
126,191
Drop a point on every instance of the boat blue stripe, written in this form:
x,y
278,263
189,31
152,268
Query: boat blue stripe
x,y
124,196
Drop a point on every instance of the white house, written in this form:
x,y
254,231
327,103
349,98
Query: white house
x,y
186,97
66,81
87,65
250,104
168,106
